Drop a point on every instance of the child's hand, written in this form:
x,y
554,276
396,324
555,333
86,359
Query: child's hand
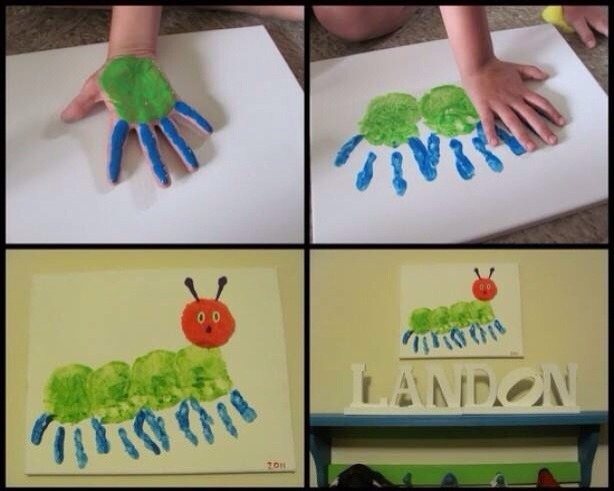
x,y
582,18
497,89
138,96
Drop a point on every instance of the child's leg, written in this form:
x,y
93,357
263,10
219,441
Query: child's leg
x,y
358,23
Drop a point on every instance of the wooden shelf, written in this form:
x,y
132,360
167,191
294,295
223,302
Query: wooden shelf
x,y
586,423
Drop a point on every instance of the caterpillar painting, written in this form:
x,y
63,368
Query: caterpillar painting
x,y
118,392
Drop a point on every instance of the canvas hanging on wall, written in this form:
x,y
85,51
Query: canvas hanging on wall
x,y
460,310
151,372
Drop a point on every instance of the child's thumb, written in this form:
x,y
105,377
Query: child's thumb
x,y
81,105
531,72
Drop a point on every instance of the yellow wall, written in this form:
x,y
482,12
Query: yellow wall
x,y
21,265
355,318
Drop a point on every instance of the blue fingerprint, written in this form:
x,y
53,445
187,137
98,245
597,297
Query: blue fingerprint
x,y
247,413
492,332
80,452
128,446
482,333
169,129
147,138
182,108
366,174
425,346
416,345
184,422
346,149
40,425
58,445
433,147
118,137
491,159
421,155
406,336
138,429
499,326
102,444
205,420
513,144
226,419
463,164
157,426
435,340
399,184
453,335
447,343
473,333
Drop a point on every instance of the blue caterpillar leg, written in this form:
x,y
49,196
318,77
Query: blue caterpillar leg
x,y
58,445
346,149
499,327
184,423
205,420
80,452
416,345
492,332
363,178
157,426
39,428
435,340
447,343
425,346
240,404
128,446
482,333
473,333
406,335
455,336
138,429
398,183
422,158
102,444
433,147
226,419
193,116
116,148
463,165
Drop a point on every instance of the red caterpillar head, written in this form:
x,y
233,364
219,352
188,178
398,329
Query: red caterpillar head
x,y
484,288
206,322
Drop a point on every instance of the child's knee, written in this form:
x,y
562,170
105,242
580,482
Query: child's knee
x,y
349,23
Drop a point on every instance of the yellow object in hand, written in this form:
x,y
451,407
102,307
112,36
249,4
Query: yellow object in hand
x,y
554,15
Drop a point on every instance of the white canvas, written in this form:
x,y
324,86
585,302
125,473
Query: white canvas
x,y
533,187
441,285
249,187
95,318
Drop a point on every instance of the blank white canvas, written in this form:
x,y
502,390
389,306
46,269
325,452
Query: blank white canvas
x,y
437,285
249,187
95,318
533,187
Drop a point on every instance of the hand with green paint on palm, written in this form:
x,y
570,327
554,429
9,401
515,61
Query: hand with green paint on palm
x,y
137,94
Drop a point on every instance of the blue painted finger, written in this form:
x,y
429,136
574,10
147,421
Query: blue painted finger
x,y
366,174
148,140
128,446
193,116
179,144
399,184
463,165
432,145
416,345
499,327
226,419
139,420
482,333
447,343
473,333
455,336
40,425
205,420
492,332
58,445
346,149
422,157
247,413
116,148
425,346
406,336
435,339
79,450
510,140
102,444
157,426
184,422
492,160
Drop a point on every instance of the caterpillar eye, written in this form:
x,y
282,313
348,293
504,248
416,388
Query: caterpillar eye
x,y
200,318
216,316
488,287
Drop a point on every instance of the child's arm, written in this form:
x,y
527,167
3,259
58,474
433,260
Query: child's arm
x,y
496,87
134,31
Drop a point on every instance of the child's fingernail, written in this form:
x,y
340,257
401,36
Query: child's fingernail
x,y
552,139
561,120
493,142
591,44
530,147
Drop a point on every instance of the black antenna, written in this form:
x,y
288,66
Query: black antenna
x,y
190,284
477,271
492,270
221,283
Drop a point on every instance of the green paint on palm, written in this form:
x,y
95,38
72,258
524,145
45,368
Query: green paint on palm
x,y
390,119
138,90
442,319
448,111
66,393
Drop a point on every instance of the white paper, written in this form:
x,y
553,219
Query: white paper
x,y
533,187
437,285
95,318
249,187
